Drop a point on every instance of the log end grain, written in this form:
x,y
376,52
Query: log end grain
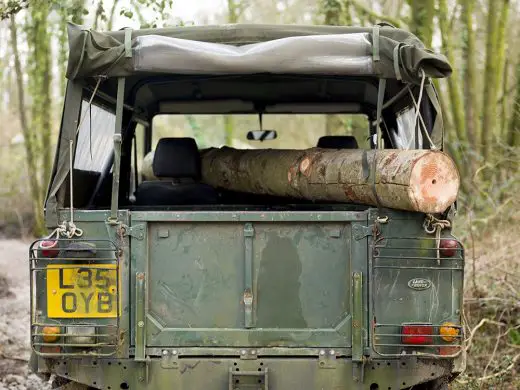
x,y
434,183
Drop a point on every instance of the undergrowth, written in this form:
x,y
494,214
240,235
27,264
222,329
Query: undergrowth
x,y
489,226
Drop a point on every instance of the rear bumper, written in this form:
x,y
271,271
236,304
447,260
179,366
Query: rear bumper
x,y
206,373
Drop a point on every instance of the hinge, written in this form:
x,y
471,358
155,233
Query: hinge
x,y
360,231
136,231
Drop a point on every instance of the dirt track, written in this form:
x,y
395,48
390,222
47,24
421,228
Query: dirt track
x,y
14,318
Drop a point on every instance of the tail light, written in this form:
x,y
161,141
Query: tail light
x,y
51,334
448,247
449,332
49,248
417,334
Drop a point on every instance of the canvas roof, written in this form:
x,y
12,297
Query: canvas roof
x,y
381,51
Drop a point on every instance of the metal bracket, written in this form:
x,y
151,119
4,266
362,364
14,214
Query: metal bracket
x,y
170,359
327,359
250,354
143,371
359,231
136,231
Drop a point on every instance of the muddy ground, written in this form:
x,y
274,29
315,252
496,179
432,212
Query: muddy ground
x,y
14,319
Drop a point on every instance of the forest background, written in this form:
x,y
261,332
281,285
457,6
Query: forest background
x,y
481,106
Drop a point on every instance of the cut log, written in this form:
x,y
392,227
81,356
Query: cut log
x,y
416,180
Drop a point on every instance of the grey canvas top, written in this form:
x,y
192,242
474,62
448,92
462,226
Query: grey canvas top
x,y
381,51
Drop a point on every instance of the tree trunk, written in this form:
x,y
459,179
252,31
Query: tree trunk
x,y
422,25
332,11
490,80
470,77
110,24
513,136
370,14
454,88
29,139
416,180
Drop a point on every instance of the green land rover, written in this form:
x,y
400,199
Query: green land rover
x,y
155,277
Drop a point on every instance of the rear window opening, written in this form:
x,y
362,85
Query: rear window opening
x,y
179,185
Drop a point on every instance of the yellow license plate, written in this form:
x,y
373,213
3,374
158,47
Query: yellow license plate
x,y
81,291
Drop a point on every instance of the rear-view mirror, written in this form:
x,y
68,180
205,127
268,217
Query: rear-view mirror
x,y
262,135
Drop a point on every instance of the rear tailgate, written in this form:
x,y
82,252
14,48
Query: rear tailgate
x,y
239,279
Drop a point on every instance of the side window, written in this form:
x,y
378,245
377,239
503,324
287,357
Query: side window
x,y
137,159
95,138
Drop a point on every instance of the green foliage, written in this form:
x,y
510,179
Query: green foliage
x,y
514,337
11,7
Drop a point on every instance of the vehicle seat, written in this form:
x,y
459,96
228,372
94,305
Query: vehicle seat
x,y
337,142
177,164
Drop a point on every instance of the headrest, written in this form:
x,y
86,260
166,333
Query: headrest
x,y
337,142
176,158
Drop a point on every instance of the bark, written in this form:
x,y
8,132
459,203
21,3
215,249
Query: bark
x,y
454,88
30,157
234,10
40,75
513,136
421,24
110,24
332,11
490,80
373,16
470,77
416,180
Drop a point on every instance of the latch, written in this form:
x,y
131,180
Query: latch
x,y
136,231
242,380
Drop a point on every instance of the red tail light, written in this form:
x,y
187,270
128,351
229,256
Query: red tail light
x,y
49,248
417,334
448,247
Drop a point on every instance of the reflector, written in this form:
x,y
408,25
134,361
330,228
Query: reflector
x,y
49,248
448,247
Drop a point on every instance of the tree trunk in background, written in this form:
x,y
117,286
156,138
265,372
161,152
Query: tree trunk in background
x,y
40,77
110,24
421,24
490,79
417,180
513,136
471,87
454,88
332,11
234,10
367,12
503,23
28,133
